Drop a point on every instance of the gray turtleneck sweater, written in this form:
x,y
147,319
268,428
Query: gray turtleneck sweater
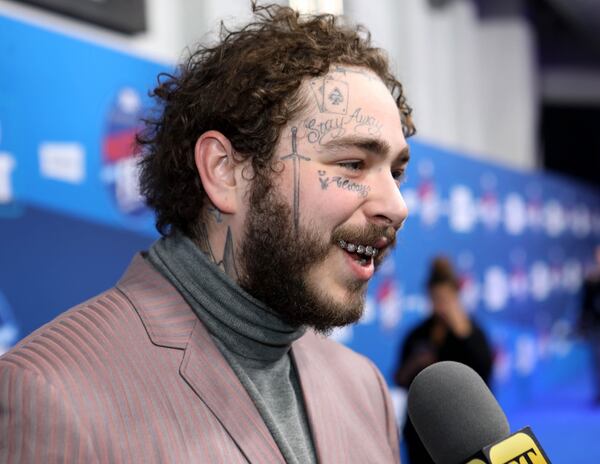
x,y
253,339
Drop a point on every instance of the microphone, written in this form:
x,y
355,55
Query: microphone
x,y
460,422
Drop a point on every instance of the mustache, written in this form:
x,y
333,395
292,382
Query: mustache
x,y
365,235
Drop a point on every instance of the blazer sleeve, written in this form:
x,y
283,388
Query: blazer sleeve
x,y
37,422
390,416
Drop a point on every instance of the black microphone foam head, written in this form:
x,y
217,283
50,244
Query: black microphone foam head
x,y
454,412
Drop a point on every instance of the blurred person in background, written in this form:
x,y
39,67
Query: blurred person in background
x,y
449,334
590,318
274,167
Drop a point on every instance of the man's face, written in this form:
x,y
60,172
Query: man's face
x,y
316,230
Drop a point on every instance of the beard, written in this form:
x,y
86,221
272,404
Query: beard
x,y
276,260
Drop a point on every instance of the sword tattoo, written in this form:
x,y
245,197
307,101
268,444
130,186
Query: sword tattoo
x,y
296,157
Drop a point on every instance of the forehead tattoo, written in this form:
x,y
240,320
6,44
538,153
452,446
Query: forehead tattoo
x,y
331,95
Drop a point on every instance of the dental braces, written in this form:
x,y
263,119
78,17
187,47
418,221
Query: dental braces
x,y
367,250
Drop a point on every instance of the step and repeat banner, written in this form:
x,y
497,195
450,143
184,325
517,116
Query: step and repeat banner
x,y
71,218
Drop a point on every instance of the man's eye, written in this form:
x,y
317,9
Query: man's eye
x,y
399,176
351,165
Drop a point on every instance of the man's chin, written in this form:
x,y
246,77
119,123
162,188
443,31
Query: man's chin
x,y
331,314
327,328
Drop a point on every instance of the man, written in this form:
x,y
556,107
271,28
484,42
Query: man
x,y
274,169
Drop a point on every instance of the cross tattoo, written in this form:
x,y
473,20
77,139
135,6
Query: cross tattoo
x,y
296,157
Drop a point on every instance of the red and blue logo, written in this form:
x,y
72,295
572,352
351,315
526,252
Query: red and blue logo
x,y
120,155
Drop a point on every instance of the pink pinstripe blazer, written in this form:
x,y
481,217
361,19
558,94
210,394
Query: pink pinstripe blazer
x,y
132,376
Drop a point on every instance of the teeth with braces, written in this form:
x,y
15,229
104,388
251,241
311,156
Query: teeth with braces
x,y
367,250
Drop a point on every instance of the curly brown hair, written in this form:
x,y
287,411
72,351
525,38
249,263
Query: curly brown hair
x,y
246,87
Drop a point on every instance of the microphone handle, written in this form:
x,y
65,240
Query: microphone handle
x,y
522,447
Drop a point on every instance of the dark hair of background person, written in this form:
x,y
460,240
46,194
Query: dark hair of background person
x,y
442,273
246,87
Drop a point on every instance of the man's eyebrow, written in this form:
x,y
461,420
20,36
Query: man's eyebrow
x,y
372,145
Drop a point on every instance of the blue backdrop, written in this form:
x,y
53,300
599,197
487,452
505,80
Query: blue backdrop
x,y
71,218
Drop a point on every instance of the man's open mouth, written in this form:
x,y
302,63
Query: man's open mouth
x,y
361,253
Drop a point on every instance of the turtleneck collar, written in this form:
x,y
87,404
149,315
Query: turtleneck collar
x,y
239,321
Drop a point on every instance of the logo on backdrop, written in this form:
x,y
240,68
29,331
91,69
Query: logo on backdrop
x,y
389,301
572,276
554,218
470,290
515,211
463,211
427,195
7,165
490,212
495,288
120,158
581,221
9,331
540,278
518,278
63,161
534,207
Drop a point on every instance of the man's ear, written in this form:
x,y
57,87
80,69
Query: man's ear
x,y
215,162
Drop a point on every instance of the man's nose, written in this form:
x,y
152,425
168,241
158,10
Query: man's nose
x,y
386,204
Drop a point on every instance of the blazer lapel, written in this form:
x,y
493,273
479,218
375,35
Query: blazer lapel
x,y
170,322
211,377
322,409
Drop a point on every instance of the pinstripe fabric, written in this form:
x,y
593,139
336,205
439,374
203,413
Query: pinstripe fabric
x,y
348,405
132,376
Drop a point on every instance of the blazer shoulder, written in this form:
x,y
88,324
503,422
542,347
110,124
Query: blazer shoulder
x,y
26,432
74,334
